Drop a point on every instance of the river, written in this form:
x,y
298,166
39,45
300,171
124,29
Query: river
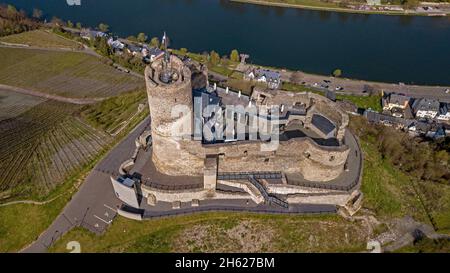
x,y
370,47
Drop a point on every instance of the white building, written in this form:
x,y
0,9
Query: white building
x,y
269,77
444,112
426,108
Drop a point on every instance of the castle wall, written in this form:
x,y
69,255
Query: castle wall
x,y
314,102
316,163
176,153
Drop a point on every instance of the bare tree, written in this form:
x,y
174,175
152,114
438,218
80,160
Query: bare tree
x,y
296,77
37,13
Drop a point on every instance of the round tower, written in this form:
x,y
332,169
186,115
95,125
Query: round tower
x,y
170,100
169,93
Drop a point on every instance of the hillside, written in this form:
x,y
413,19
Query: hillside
x,y
69,74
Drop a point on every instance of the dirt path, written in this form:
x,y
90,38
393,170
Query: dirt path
x,y
49,96
29,202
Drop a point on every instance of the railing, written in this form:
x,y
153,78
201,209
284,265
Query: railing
x,y
159,214
158,186
269,198
245,175
326,186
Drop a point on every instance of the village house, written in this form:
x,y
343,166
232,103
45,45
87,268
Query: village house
x,y
116,45
88,34
135,50
269,77
444,112
426,108
397,105
153,53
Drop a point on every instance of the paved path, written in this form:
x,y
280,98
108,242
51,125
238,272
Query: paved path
x,y
94,205
49,96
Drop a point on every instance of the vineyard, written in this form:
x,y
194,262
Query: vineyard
x,y
112,112
40,38
13,104
70,74
41,146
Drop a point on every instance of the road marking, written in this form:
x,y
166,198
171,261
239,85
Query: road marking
x,y
110,208
107,222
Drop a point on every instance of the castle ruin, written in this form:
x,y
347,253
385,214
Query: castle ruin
x,y
271,147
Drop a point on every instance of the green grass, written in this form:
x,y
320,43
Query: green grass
x,y
40,38
111,112
227,232
386,190
366,102
292,87
426,245
437,199
220,69
391,193
22,223
69,74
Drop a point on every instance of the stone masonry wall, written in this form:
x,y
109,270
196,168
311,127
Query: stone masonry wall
x,y
175,153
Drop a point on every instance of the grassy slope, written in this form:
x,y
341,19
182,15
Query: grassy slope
x,y
40,38
70,74
228,232
109,113
391,193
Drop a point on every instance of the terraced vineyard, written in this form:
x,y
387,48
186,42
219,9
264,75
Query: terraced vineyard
x,y
41,146
69,74
40,38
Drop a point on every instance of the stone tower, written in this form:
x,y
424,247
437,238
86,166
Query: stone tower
x,y
170,100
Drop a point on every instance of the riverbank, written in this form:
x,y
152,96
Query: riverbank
x,y
318,5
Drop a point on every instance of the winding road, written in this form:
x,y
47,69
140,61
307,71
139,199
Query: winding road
x,y
94,205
